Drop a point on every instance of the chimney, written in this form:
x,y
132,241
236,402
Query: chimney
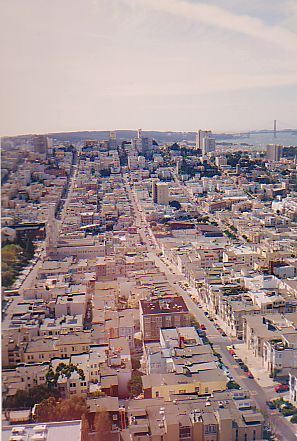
x,y
181,342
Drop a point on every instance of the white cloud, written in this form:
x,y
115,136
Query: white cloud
x,y
219,17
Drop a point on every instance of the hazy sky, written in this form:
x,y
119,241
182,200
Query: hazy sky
x,y
156,64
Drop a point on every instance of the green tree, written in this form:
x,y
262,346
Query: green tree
x,y
64,370
233,385
28,398
135,384
135,363
64,410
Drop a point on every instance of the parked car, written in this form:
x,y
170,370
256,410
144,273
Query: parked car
x,y
271,404
249,375
281,388
203,327
224,334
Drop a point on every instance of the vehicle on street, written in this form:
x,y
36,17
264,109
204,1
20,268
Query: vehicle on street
x,y
244,367
203,327
271,404
281,388
249,375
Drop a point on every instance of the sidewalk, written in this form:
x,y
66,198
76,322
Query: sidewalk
x,y
255,366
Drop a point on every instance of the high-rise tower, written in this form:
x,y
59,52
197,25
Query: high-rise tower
x,y
51,232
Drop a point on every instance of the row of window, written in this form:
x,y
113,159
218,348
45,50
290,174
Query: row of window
x,y
83,383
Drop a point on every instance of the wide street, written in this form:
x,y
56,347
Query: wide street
x,y
281,427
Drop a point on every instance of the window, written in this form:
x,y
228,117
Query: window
x,y
254,435
184,432
157,394
245,437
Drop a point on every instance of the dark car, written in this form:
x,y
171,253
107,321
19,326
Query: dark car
x,y
244,368
271,404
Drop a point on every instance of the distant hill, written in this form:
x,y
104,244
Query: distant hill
x,y
163,137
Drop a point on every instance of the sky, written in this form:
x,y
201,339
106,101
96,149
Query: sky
x,y
225,65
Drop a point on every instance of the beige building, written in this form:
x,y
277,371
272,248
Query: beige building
x,y
223,417
165,385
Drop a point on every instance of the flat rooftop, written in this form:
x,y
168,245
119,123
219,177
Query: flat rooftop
x,y
164,306
51,431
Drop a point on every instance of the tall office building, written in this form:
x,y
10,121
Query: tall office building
x,y
112,140
162,193
41,144
52,233
274,152
201,134
154,190
208,145
141,143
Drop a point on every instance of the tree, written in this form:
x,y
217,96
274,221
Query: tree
x,y
135,363
102,426
294,419
135,384
65,410
64,370
28,398
232,385
175,204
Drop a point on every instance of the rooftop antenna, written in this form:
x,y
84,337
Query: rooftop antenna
x,y
274,128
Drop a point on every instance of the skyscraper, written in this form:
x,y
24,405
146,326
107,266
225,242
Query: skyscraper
x,y
154,190
112,140
162,193
208,145
274,152
52,233
201,134
41,144
141,144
